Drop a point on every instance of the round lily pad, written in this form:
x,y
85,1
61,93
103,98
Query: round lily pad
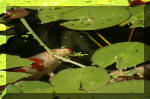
x,y
2,7
50,14
3,63
87,78
94,18
134,86
127,54
15,61
28,87
13,76
85,18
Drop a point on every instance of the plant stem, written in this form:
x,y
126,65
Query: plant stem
x,y
47,49
35,36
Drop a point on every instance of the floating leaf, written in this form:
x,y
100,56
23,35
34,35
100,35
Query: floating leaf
x,y
2,63
137,18
2,7
57,90
127,54
3,27
93,18
13,76
135,86
28,87
85,18
12,89
50,14
3,93
82,78
2,78
2,39
14,61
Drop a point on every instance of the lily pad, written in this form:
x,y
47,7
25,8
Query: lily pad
x,y
3,63
87,78
94,18
28,87
137,18
2,78
2,7
3,93
57,90
85,18
50,14
12,89
13,76
3,27
134,86
127,54
15,61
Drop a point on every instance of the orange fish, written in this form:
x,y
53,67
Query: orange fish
x,y
43,63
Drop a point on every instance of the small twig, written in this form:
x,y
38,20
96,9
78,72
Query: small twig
x,y
96,42
131,34
69,61
47,49
103,38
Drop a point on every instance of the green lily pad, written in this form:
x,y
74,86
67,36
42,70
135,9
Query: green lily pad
x,y
87,78
28,87
135,86
3,27
85,18
3,93
137,19
15,61
2,78
3,63
2,39
12,89
50,14
13,76
127,54
57,90
94,18
2,7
